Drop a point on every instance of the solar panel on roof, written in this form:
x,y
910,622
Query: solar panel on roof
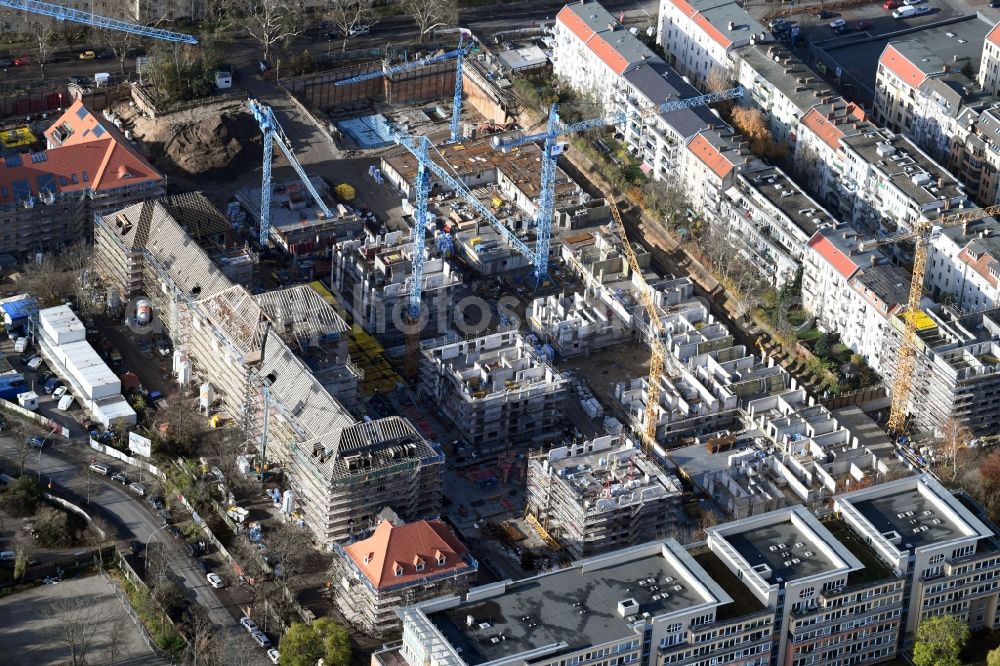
x,y
98,131
46,181
82,112
22,190
4,192
39,157
86,176
13,161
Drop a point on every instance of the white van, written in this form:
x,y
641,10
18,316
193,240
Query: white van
x,y
100,469
35,362
904,12
21,345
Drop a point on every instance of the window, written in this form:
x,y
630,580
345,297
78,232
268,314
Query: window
x,y
399,571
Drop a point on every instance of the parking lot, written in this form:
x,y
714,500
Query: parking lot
x,y
34,622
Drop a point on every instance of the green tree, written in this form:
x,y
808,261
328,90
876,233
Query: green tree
x,y
993,657
822,348
305,644
940,640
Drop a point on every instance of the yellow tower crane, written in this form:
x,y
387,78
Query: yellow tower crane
x,y
922,234
659,355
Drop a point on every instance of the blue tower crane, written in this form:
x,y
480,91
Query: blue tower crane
x,y
551,150
459,54
273,133
61,13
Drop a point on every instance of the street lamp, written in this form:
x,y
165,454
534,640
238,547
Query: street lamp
x,y
145,547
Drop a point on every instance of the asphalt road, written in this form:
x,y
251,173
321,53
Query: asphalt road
x,y
65,465
244,54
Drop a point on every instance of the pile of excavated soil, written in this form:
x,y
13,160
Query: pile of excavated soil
x,y
215,142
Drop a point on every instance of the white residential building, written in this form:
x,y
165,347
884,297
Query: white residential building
x,y
819,152
963,264
772,219
598,57
708,167
850,291
700,35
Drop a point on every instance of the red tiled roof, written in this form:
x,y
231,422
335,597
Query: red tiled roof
x,y
401,547
714,33
901,66
577,25
86,158
993,36
827,131
685,8
840,261
980,265
710,155
608,54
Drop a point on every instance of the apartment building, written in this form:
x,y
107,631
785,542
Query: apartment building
x,y
600,58
772,220
341,472
989,64
48,198
895,183
709,164
782,87
496,389
957,368
700,36
399,564
650,604
601,495
794,565
819,156
852,291
962,265
946,556
979,161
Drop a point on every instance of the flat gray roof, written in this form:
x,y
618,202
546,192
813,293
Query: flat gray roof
x,y
798,558
659,82
908,513
572,606
782,193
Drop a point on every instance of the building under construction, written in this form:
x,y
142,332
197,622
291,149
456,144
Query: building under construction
x,y
601,495
496,389
957,370
371,276
278,359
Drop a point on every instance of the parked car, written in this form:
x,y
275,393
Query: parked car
x,y
891,4
274,656
155,502
261,639
105,54
263,65
921,10
121,477
6,62
778,23
215,580
87,55
174,532
164,517
135,547
22,61
81,80
38,442
195,548
248,624
51,385
103,470
836,23
59,392
138,489
995,4
204,566
825,14
867,25
904,12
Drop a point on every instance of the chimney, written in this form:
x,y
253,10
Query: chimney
x,y
873,259
731,25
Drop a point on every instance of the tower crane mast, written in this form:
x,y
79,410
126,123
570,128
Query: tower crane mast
x,y
922,234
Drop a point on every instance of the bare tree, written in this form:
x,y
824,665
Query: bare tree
x,y
290,549
23,432
427,13
45,40
133,11
201,649
116,635
24,548
76,621
954,439
718,79
271,22
347,15
45,281
225,446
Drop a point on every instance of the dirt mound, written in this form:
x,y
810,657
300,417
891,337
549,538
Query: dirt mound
x,y
215,145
